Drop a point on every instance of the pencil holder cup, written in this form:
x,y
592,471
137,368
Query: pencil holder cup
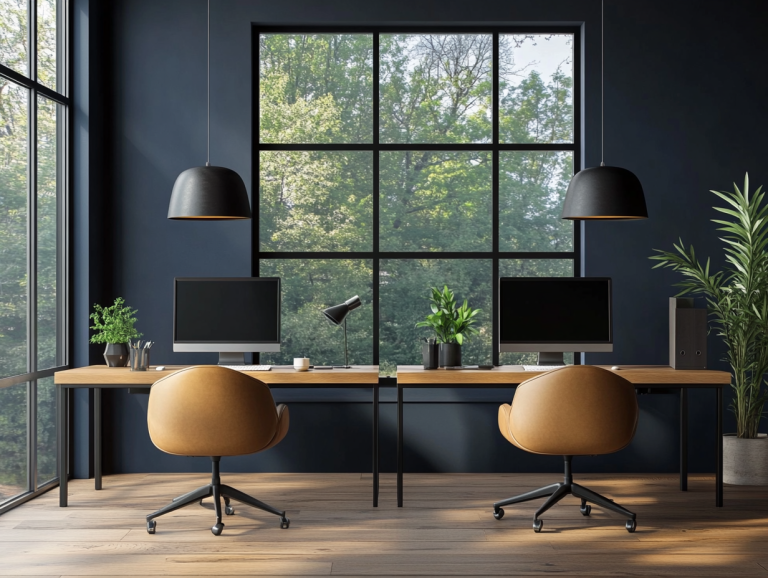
x,y
139,360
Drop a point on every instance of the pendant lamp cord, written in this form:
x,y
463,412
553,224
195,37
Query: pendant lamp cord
x,y
208,144
602,83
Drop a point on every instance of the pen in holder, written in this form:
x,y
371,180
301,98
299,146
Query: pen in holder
x,y
139,355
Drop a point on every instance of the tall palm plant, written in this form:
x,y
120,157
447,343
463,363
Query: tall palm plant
x,y
737,297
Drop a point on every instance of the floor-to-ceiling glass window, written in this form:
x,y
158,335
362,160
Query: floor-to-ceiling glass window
x,y
33,204
394,160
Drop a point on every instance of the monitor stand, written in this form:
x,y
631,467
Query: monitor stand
x,y
229,358
551,358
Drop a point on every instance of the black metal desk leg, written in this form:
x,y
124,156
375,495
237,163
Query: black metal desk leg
x,y
97,437
375,446
683,439
63,458
399,446
719,470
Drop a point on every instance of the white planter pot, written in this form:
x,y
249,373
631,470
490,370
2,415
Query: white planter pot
x,y
745,462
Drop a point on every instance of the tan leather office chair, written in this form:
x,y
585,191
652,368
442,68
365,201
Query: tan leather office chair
x,y
576,410
214,411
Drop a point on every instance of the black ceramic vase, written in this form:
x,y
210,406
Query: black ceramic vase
x,y
429,353
116,354
450,354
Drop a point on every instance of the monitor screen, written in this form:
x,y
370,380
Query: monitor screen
x,y
226,314
555,314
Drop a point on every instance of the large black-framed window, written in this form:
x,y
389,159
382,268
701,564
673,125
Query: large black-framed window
x,y
34,121
391,159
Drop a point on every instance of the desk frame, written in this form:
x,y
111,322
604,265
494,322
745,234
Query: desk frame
x,y
414,377
128,380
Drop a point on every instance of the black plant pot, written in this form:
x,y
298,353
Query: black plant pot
x,y
429,353
450,354
116,354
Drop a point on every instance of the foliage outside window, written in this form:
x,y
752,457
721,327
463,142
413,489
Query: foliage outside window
x,y
390,162
32,129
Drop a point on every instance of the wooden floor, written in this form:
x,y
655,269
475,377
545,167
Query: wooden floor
x,y
445,529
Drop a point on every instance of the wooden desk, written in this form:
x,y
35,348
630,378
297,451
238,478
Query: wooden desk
x,y
644,377
98,377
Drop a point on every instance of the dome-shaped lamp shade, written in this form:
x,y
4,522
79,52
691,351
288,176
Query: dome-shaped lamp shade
x,y
604,193
209,194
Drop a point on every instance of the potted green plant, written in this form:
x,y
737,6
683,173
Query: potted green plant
x,y
451,325
115,327
737,300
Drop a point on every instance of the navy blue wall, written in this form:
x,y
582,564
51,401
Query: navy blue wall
x,y
685,109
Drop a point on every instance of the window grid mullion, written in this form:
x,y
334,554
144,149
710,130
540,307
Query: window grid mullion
x,y
376,199
376,147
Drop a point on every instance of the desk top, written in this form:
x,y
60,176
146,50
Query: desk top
x,y
101,375
646,375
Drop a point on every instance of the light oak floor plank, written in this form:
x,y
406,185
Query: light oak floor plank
x,y
446,529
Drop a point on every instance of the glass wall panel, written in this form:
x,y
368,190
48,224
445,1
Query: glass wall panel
x,y
435,201
404,294
435,88
533,268
316,201
14,35
47,43
308,287
46,430
13,229
316,88
536,88
532,188
14,414
47,234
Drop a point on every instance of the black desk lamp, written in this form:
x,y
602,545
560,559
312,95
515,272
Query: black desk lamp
x,y
336,315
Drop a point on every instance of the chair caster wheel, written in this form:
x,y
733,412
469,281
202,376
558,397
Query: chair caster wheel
x,y
229,510
631,525
284,522
585,510
498,514
217,529
201,502
151,526
537,524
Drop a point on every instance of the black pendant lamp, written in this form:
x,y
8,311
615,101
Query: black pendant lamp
x,y
608,193
209,193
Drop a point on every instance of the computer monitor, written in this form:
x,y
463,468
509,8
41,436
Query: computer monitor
x,y
231,316
550,315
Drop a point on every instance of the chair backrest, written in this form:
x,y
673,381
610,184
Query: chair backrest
x,y
211,411
575,410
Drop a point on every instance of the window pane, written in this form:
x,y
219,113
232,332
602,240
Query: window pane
x,y
47,229
46,430
316,88
404,293
315,201
13,230
535,88
13,441
435,88
533,268
435,201
47,43
14,35
308,287
532,188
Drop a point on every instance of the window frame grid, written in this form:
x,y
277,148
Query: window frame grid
x,y
375,147
62,104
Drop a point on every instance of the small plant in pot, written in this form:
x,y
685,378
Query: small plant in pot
x,y
115,327
451,325
737,300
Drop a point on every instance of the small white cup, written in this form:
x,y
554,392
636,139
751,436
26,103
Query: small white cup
x,y
301,363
